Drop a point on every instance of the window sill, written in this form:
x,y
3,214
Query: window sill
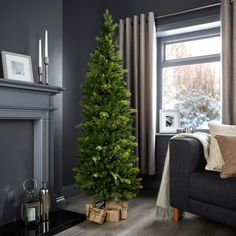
x,y
173,134
165,134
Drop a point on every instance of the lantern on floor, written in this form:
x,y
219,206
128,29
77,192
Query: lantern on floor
x,y
31,203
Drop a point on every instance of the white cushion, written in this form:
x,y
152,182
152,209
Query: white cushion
x,y
215,160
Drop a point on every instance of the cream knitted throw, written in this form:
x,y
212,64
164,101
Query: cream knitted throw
x,y
163,208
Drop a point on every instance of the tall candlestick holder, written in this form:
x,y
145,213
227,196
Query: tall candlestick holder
x,y
40,73
46,62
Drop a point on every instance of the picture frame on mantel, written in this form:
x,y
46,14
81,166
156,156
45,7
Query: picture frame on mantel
x,y
169,121
17,67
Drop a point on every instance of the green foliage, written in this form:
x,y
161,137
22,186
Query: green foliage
x,y
198,109
106,160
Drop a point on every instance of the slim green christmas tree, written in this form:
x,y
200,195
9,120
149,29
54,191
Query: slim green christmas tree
x,y
106,161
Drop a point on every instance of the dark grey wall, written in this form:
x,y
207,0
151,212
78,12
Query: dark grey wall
x,y
81,24
16,165
81,20
22,23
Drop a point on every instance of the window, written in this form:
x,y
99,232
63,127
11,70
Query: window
x,y
190,70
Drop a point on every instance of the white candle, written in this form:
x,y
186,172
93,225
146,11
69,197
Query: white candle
x,y
46,43
31,214
40,53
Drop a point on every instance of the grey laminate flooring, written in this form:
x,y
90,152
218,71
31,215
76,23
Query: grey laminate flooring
x,y
142,222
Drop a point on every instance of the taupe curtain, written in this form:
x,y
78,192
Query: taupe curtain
x,y
228,29
138,46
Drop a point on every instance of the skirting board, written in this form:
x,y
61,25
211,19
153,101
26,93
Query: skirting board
x,y
71,190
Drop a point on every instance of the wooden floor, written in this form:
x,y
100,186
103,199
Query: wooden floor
x,y
142,222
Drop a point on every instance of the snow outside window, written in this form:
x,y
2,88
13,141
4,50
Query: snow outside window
x,y
191,78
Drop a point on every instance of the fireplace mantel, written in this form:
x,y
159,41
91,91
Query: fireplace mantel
x,y
31,101
13,84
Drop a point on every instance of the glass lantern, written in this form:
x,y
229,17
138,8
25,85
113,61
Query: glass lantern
x,y
31,203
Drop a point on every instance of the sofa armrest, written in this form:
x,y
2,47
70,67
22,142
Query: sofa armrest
x,y
186,157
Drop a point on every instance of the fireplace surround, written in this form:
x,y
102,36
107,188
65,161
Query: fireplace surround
x,y
34,102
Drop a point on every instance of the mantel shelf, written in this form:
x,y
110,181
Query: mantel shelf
x,y
6,83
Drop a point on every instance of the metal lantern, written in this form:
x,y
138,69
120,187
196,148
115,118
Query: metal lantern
x,y
31,203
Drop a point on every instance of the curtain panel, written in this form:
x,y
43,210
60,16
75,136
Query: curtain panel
x,y
137,42
228,32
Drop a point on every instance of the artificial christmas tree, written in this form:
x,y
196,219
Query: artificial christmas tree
x,y
106,168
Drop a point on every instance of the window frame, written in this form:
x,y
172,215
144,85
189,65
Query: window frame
x,y
183,37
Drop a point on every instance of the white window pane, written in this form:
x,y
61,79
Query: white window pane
x,y
196,91
193,48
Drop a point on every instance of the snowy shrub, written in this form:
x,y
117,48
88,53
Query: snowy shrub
x,y
197,109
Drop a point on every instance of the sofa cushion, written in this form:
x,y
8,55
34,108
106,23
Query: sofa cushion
x,y
227,146
208,187
215,160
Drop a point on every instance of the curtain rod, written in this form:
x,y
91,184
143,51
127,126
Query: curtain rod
x,y
187,11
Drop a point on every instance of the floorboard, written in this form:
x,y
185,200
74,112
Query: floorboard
x,y
142,221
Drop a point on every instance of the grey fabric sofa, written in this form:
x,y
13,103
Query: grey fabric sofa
x,y
196,190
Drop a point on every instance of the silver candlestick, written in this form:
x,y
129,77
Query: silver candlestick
x,y
46,62
40,73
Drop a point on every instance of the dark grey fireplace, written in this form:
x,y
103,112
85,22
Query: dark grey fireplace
x,y
28,107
